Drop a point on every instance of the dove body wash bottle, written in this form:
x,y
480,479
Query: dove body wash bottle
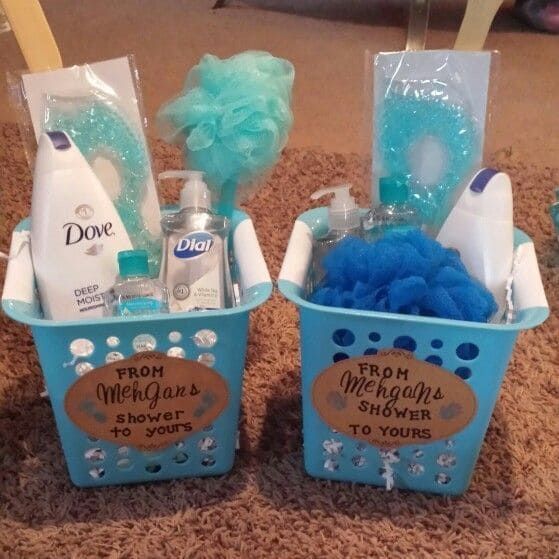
x,y
195,265
76,232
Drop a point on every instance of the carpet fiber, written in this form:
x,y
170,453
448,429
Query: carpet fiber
x,y
267,506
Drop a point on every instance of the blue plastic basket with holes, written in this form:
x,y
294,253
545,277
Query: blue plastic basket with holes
x,y
478,353
215,338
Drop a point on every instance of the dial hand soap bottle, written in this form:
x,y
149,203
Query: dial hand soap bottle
x,y
195,264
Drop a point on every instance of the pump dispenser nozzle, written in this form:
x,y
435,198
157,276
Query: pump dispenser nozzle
x,y
195,192
343,212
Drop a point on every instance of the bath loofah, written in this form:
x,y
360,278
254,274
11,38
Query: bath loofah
x,y
407,273
232,119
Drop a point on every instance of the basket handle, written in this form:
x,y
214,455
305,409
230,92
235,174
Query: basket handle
x,y
298,255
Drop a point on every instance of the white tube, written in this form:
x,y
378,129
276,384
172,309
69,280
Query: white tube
x,y
298,255
19,282
249,257
527,283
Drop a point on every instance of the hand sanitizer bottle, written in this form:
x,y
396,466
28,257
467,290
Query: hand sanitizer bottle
x,y
393,213
134,292
195,265
343,220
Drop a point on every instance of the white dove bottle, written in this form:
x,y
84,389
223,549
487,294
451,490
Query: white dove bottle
x,y
76,232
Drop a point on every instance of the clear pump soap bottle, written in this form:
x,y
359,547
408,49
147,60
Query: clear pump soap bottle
x,y
195,262
394,213
343,220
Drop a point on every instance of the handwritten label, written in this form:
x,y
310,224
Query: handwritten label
x,y
148,401
392,399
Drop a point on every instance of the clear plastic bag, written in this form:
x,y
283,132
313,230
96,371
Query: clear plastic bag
x,y
430,112
100,107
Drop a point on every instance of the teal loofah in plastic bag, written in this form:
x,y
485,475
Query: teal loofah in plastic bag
x,y
99,128
406,119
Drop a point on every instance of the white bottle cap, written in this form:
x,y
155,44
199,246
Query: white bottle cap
x,y
195,192
343,212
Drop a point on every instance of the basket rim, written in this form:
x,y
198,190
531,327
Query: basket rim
x,y
22,312
529,318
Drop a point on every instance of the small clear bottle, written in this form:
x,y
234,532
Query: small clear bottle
x,y
343,220
393,213
135,293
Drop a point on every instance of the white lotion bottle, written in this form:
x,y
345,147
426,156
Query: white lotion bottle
x,y
76,232
480,227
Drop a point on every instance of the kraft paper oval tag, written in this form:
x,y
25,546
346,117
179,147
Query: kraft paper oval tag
x,y
392,399
148,401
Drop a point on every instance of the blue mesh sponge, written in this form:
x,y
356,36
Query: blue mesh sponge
x,y
407,273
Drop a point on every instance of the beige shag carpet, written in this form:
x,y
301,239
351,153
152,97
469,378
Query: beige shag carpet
x,y
267,506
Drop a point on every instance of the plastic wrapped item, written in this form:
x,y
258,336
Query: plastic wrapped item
x,y
99,107
430,112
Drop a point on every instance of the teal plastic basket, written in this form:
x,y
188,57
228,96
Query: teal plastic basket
x,y
478,353
94,462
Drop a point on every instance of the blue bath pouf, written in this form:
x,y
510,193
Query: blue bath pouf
x,y
407,273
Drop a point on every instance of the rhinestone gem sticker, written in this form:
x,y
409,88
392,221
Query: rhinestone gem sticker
x,y
442,479
83,368
207,444
446,460
207,359
144,342
332,446
331,465
205,338
416,469
113,356
175,337
359,461
176,351
82,347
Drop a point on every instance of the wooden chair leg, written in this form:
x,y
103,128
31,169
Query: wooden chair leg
x,y
417,25
219,4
